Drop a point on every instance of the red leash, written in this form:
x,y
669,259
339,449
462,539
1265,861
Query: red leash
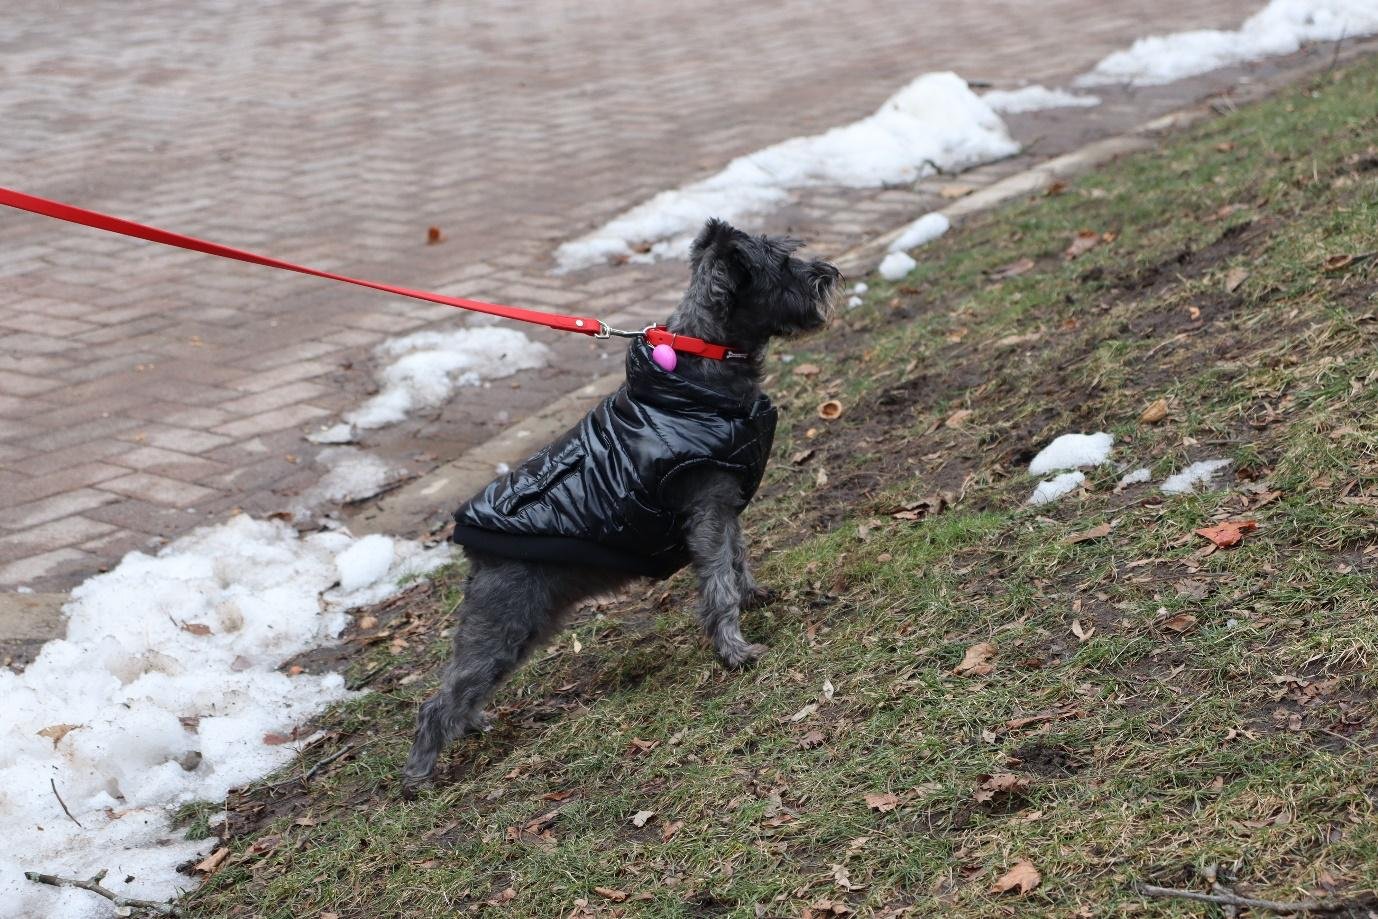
x,y
584,325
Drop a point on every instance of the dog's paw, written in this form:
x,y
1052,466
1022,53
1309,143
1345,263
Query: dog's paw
x,y
741,656
758,597
413,785
480,723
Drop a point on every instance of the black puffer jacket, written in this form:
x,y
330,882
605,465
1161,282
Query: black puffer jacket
x,y
596,496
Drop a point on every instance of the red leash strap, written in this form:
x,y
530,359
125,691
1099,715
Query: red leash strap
x,y
584,325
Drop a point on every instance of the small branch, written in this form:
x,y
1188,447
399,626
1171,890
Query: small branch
x,y
94,885
53,784
311,773
1225,897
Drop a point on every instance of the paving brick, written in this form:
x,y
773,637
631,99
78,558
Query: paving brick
x,y
275,420
158,489
34,513
55,534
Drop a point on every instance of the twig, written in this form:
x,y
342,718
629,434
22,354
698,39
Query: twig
x,y
311,773
53,784
1226,897
94,885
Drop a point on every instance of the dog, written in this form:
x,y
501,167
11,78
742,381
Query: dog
x,y
652,479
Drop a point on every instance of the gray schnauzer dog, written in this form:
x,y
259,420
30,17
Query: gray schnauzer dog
x,y
652,479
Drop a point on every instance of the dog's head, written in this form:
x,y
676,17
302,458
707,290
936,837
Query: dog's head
x,y
746,289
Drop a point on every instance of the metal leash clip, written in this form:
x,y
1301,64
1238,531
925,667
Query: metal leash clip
x,y
607,331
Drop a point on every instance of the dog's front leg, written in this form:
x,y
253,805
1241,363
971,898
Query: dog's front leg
x,y
753,594
716,547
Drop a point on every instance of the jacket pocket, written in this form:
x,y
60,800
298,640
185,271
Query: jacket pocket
x,y
540,481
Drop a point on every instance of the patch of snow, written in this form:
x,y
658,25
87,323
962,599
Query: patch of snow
x,y
1056,487
23,590
426,368
365,562
924,230
1035,98
935,120
896,265
1071,451
853,302
1137,477
352,475
165,690
1281,27
1196,474
860,287
342,433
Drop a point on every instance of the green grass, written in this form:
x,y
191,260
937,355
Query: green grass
x,y
1242,738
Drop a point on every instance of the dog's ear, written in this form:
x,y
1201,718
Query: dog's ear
x,y
717,261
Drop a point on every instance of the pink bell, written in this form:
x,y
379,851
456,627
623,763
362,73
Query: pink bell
x,y
665,357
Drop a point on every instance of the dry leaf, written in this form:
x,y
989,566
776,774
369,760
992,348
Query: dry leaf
x,y
611,893
1022,878
196,628
1155,412
1337,262
433,235
1234,278
1181,623
1096,532
1013,269
212,861
977,660
883,803
1082,633
1228,533
802,457
668,831
811,739
830,410
55,732
640,817
1084,242
958,418
1011,340
1002,783
806,370
367,622
804,712
275,740
820,478
955,191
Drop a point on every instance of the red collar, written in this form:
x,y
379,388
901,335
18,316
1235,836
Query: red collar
x,y
687,344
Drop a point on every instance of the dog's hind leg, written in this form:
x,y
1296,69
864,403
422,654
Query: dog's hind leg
x,y
714,537
753,594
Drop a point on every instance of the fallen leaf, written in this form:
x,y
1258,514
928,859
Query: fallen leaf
x,y
804,712
1181,623
820,478
640,817
506,896
1022,878
433,235
802,457
1083,242
1011,340
977,660
1228,533
1080,632
275,740
955,191
55,732
212,861
811,739
196,628
668,831
1155,412
828,690
1337,262
240,663
806,370
1013,269
883,803
367,622
958,418
1234,277
611,893
1002,783
830,410
1096,532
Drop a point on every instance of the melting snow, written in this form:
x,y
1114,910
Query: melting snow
x,y
1034,99
1056,487
1279,28
935,120
427,367
896,265
1137,477
353,474
165,690
1196,474
1071,451
924,230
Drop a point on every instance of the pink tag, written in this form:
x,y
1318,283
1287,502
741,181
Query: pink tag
x,y
665,357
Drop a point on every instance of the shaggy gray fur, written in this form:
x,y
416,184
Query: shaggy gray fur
x,y
744,290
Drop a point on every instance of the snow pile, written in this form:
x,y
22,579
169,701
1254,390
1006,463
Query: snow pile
x,y
924,230
342,433
1056,487
1035,98
1281,27
427,367
934,121
896,265
352,476
1196,474
1137,477
166,690
1071,451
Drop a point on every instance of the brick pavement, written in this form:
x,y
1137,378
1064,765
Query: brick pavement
x,y
144,391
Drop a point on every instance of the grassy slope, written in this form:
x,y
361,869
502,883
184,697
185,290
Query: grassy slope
x,y
1244,740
